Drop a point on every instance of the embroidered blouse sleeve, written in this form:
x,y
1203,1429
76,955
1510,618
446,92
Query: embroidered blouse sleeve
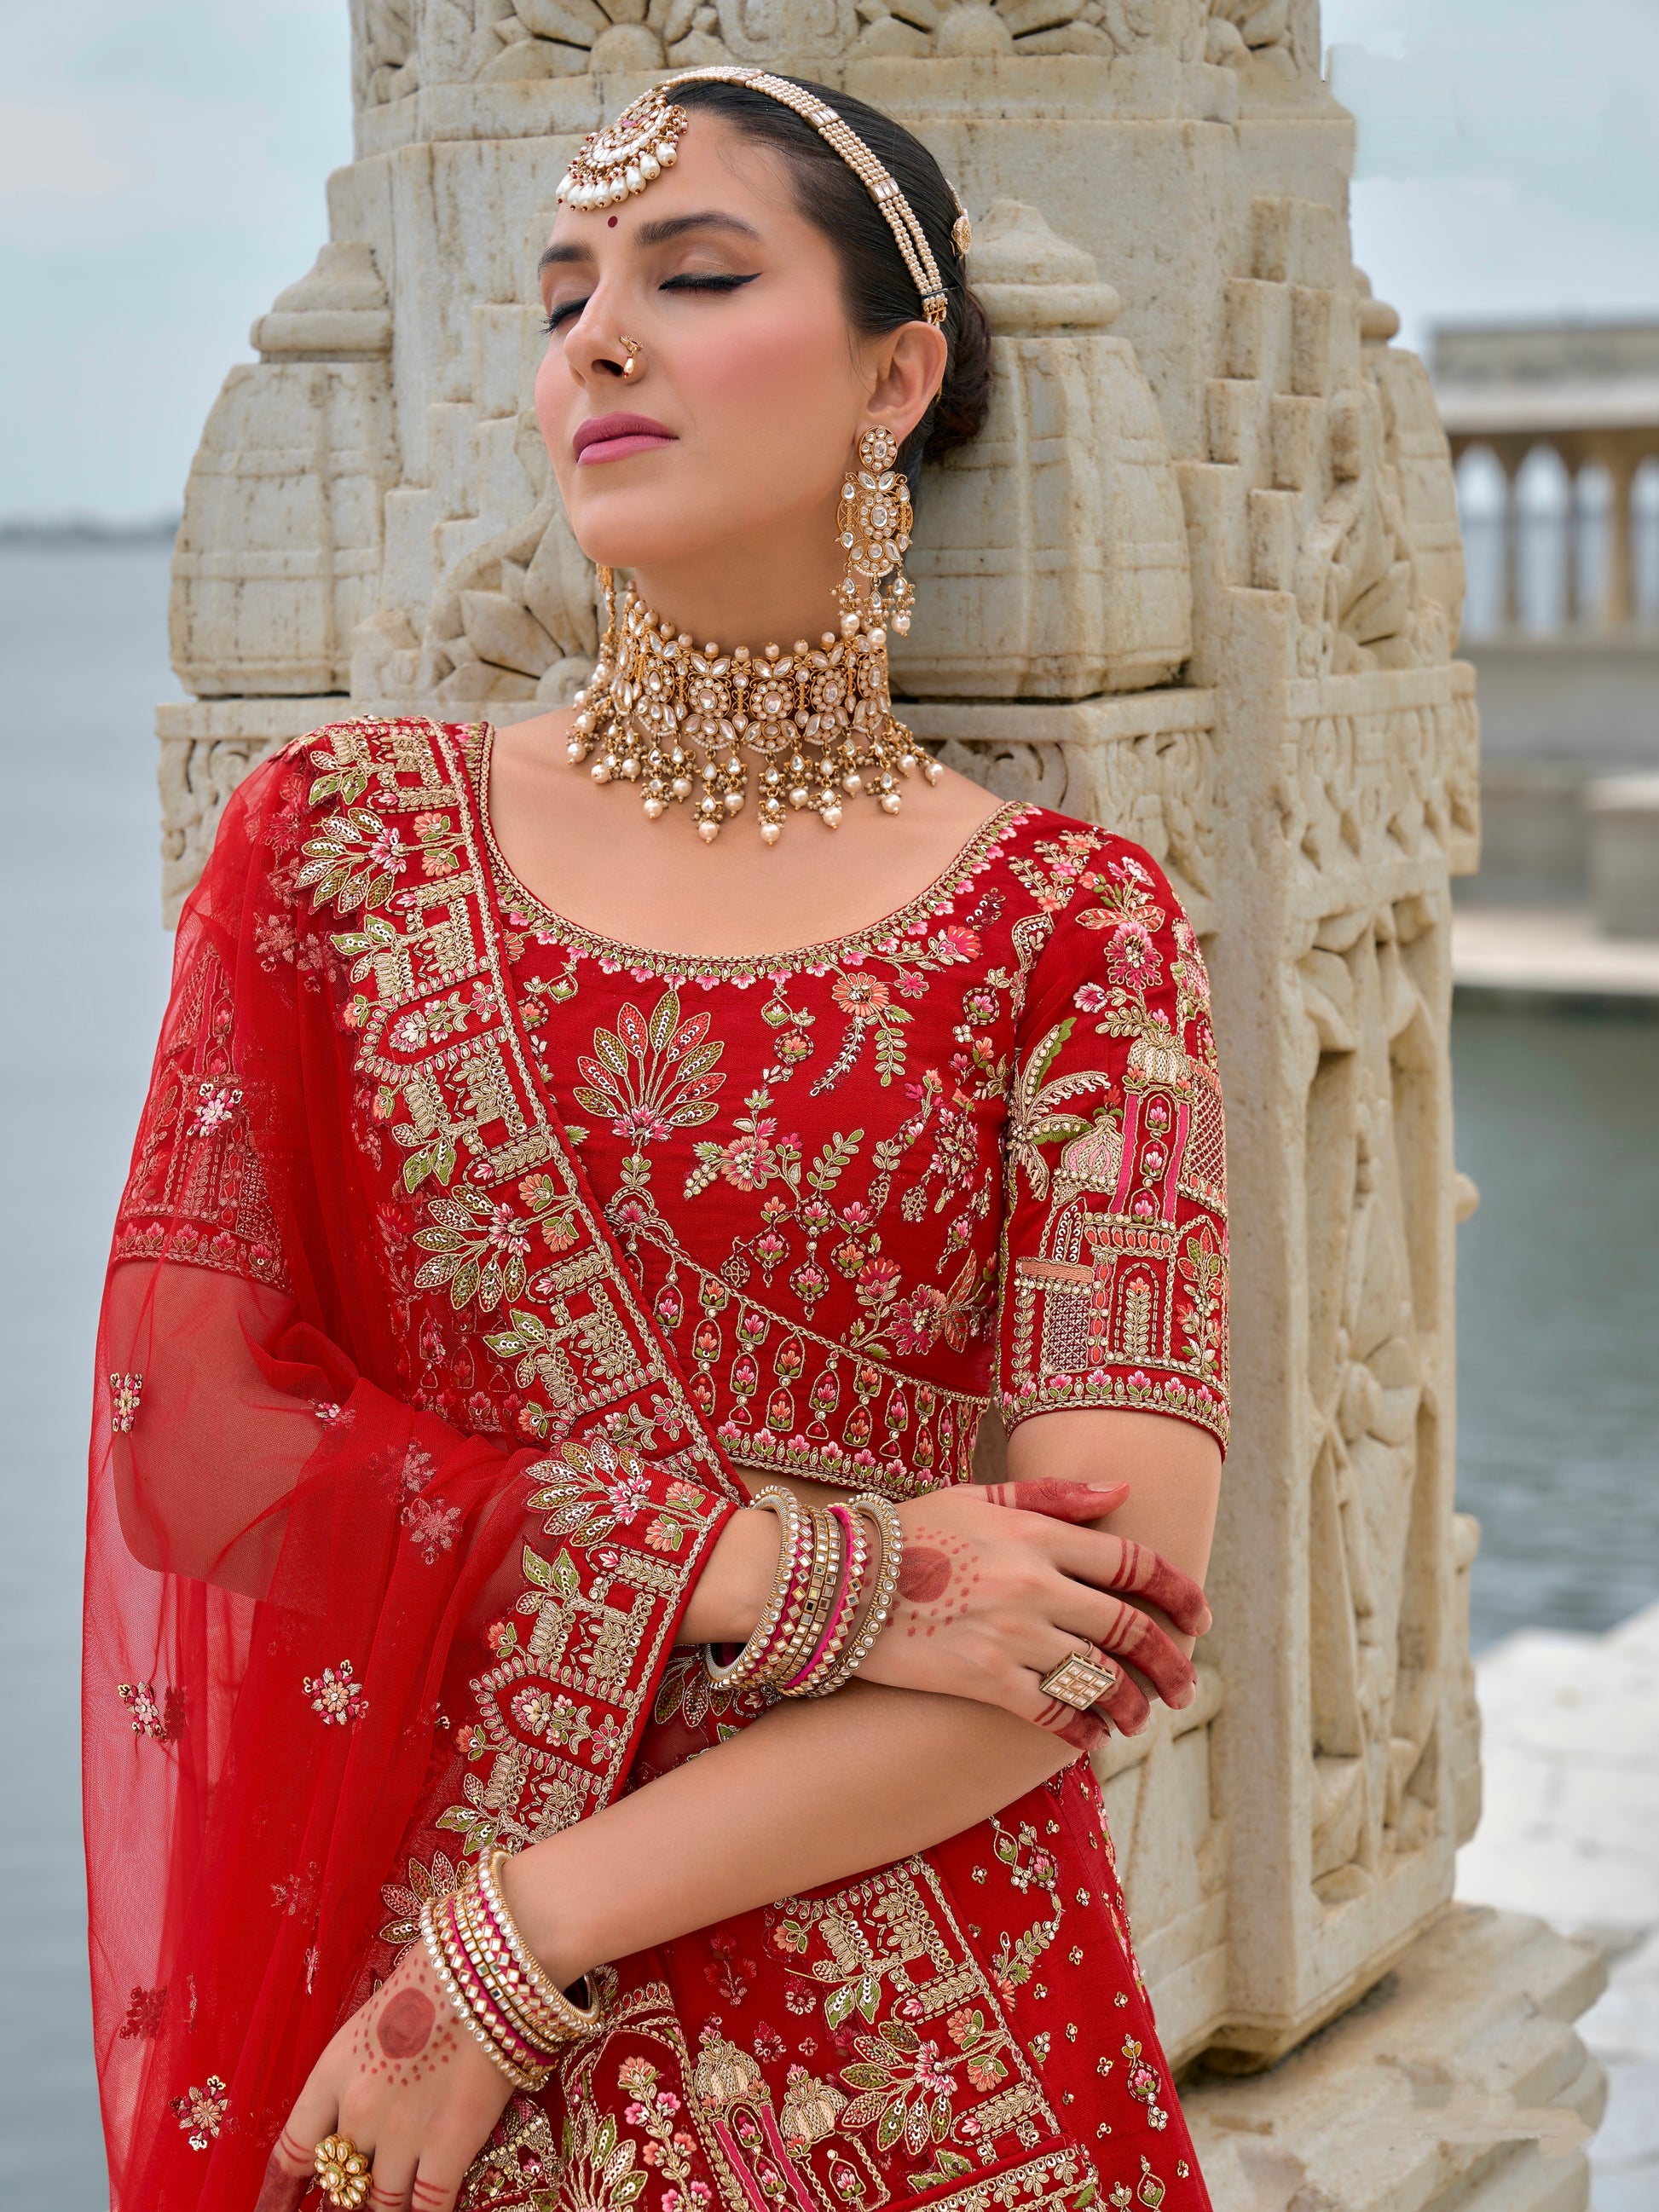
x,y
1115,1261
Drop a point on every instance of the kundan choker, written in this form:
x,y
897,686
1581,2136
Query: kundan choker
x,y
814,726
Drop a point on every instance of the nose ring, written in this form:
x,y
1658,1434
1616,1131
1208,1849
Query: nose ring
x,y
631,348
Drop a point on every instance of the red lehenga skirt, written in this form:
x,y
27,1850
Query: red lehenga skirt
x,y
967,2029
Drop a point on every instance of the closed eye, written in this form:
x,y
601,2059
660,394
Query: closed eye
x,y
691,283
567,310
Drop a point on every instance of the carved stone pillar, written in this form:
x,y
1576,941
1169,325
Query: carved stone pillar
x,y
1200,581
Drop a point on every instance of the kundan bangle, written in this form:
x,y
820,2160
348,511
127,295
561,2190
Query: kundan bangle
x,y
753,1661
885,1517
459,1989
514,2012
553,2015
820,1596
843,1610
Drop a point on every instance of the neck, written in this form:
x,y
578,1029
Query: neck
x,y
770,589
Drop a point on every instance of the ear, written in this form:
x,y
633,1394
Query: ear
x,y
908,366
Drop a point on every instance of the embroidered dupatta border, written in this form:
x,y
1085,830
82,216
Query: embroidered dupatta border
x,y
440,1034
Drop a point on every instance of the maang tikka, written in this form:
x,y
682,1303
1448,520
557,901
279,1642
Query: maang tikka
x,y
816,723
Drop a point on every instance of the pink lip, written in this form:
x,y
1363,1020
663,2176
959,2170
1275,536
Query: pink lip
x,y
614,437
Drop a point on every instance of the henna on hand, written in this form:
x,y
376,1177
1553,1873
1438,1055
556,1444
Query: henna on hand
x,y
1060,1501
1081,1730
924,1575
287,2176
405,2024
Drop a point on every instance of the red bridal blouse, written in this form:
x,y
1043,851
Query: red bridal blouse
x,y
522,1252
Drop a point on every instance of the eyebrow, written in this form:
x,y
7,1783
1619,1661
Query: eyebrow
x,y
662,232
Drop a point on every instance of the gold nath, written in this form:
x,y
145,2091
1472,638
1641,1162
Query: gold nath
x,y
814,725
612,164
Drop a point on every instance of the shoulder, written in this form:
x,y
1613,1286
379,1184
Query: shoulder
x,y
309,814
1119,946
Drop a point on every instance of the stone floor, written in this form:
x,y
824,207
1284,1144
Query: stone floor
x,y
1570,1832
1549,952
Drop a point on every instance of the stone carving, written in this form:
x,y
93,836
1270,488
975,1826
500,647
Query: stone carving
x,y
279,550
567,38
1170,1840
1381,768
517,619
1201,581
529,38
1241,32
1051,556
1369,989
384,62
1319,438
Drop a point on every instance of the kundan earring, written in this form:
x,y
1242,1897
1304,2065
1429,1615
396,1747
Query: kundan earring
x,y
874,520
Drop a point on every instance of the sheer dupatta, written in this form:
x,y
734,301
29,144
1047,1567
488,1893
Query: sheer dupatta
x,y
397,1497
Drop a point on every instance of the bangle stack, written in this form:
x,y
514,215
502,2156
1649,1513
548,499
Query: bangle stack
x,y
518,2015
803,1645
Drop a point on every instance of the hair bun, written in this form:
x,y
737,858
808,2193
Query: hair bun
x,y
964,399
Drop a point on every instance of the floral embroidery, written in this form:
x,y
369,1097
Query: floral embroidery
x,y
125,1391
1031,1866
161,1718
337,1696
597,2168
481,1247
601,1488
651,1076
297,1893
201,2112
909,2081
404,1901
1141,2080
818,1238
432,1528
669,2146
145,2008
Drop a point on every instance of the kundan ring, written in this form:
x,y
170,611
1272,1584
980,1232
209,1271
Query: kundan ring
x,y
342,2172
1081,1680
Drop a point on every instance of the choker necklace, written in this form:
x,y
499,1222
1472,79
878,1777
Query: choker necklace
x,y
814,726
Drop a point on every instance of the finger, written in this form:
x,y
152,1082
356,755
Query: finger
x,y
1117,1563
292,2165
1060,1501
391,2180
1129,1634
1124,1704
438,2182
1085,1732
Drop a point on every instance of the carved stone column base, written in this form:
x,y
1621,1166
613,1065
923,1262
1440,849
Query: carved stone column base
x,y
1458,2081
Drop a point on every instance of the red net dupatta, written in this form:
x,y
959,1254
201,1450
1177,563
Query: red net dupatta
x,y
371,1377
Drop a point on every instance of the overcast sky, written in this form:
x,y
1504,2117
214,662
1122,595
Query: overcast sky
x,y
163,162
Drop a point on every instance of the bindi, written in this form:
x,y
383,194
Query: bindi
x,y
405,2024
924,1574
610,222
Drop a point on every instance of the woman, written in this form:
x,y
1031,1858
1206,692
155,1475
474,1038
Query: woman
x,y
507,1208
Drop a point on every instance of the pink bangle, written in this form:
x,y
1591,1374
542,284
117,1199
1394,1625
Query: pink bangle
x,y
853,1552
481,1998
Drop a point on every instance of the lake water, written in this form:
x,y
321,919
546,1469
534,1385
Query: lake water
x,y
1558,1292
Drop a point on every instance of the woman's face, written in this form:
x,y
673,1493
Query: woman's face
x,y
751,388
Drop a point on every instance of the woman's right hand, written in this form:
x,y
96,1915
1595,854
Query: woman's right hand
x,y
1000,1581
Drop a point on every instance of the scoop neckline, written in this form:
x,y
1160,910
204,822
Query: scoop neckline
x,y
826,953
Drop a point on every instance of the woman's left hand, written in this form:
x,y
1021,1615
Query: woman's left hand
x,y
409,2087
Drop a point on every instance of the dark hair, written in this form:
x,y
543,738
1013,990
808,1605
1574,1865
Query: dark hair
x,y
880,291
